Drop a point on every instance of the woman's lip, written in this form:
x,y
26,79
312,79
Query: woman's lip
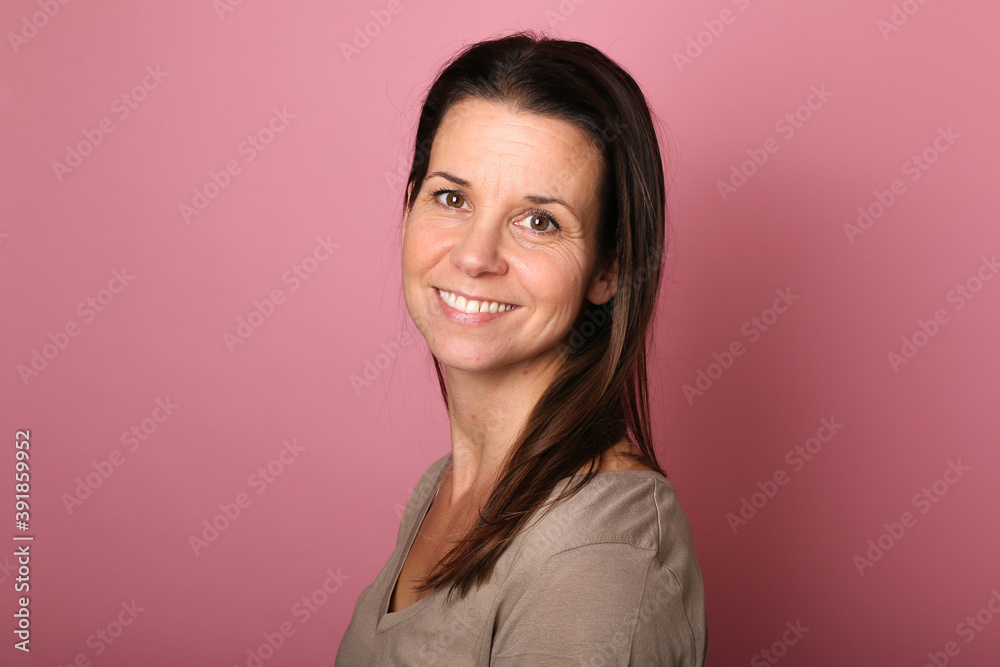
x,y
468,297
464,317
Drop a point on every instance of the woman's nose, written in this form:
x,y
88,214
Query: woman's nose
x,y
477,249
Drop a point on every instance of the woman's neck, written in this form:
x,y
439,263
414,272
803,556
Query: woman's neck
x,y
487,412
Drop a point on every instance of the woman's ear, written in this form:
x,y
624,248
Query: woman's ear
x,y
604,284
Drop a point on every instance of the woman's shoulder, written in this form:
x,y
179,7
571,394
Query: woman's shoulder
x,y
614,565
638,507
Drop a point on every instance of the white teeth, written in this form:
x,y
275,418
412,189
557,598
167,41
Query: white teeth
x,y
467,306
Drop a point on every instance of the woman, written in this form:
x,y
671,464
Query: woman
x,y
533,240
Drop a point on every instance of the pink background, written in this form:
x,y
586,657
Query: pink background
x,y
330,166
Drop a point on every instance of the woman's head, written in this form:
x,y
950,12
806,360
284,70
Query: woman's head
x,y
522,116
506,220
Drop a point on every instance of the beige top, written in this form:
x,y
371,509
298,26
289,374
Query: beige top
x,y
608,577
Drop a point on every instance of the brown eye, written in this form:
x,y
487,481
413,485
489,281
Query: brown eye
x,y
539,223
453,199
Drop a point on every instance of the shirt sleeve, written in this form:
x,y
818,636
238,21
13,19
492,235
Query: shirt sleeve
x,y
600,604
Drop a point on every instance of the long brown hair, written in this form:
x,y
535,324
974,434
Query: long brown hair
x,y
600,393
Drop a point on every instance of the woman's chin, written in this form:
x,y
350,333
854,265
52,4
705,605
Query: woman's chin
x,y
468,363
490,361
471,357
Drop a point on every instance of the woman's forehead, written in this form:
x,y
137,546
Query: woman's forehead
x,y
487,142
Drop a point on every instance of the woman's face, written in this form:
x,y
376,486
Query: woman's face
x,y
507,215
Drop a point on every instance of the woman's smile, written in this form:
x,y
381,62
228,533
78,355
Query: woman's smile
x,y
460,307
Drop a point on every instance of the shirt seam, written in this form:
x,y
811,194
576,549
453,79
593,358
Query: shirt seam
x,y
680,585
545,564
687,618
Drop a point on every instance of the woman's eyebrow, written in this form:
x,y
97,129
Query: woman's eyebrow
x,y
451,177
537,200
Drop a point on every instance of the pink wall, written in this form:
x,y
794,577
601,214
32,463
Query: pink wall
x,y
236,165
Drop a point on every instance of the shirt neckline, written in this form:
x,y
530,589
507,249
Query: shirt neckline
x,y
388,619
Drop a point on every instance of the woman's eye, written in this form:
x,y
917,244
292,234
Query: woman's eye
x,y
539,223
453,199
